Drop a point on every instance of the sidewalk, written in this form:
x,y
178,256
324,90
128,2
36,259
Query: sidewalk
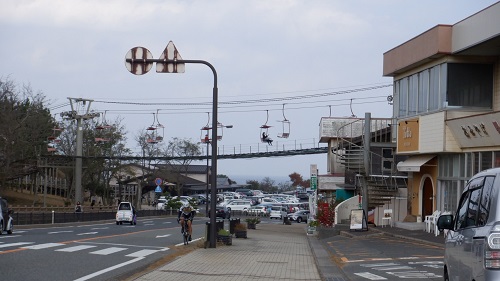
x,y
271,252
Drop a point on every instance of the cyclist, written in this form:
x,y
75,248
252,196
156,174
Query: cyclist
x,y
186,213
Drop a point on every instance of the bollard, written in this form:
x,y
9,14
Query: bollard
x,y
53,216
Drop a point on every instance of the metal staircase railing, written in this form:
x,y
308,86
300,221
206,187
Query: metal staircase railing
x,y
350,153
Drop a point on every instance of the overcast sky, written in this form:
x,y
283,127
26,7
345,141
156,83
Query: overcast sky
x,y
314,58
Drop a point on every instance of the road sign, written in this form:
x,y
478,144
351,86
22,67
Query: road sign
x,y
158,189
135,60
158,181
314,183
170,53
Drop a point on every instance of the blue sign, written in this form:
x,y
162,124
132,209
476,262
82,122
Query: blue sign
x,y
158,181
158,189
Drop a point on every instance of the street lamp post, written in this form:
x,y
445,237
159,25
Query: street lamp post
x,y
208,179
139,61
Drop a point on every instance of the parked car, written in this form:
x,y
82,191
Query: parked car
x,y
200,198
258,210
125,213
239,205
277,212
221,212
160,205
472,236
299,216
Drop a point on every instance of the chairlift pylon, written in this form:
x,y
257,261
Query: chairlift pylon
x,y
285,124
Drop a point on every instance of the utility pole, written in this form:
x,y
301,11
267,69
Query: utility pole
x,y
80,110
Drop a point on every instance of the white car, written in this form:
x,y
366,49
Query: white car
x,y
277,212
161,204
239,205
125,213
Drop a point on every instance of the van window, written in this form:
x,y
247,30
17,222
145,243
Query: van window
x,y
475,203
484,207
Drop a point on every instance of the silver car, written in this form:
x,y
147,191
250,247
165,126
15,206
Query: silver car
x,y
299,216
472,233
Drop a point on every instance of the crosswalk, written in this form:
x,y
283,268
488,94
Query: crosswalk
x,y
97,249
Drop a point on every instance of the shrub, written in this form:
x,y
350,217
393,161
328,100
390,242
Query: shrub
x,y
223,232
240,227
254,220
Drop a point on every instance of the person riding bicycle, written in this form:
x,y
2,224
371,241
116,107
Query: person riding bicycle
x,y
186,213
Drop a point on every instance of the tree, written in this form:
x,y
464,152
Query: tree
x,y
25,124
255,185
267,185
176,169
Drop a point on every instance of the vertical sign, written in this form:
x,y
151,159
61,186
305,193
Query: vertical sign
x,y
314,176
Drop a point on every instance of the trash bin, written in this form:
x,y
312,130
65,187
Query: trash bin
x,y
232,223
219,224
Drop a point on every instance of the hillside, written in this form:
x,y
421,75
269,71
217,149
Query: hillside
x,y
16,198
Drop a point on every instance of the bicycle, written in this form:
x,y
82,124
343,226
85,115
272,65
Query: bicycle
x,y
185,232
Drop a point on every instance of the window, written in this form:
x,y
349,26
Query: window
x,y
387,159
461,217
484,207
445,85
470,85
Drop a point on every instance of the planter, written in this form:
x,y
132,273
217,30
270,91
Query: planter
x,y
225,239
240,233
251,225
311,230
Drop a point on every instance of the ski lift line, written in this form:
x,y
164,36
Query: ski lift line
x,y
255,100
142,112
171,111
264,94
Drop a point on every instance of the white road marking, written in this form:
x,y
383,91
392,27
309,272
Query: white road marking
x,y
75,248
162,236
370,276
126,245
57,232
142,253
15,244
43,246
88,233
99,228
415,275
108,251
90,276
182,244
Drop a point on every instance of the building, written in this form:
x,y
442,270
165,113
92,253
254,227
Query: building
x,y
446,104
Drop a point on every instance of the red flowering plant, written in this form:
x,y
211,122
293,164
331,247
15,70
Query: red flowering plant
x,y
326,213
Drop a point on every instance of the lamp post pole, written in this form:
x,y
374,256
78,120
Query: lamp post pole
x,y
139,61
208,180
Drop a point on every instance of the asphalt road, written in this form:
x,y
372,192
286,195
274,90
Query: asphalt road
x,y
380,257
100,251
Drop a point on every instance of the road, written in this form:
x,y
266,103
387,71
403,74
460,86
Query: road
x,y
380,257
100,251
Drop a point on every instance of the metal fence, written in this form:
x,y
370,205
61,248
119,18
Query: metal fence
x,y
33,218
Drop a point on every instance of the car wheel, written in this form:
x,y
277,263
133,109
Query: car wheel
x,y
446,277
117,223
299,220
121,223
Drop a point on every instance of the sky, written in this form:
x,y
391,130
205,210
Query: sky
x,y
274,60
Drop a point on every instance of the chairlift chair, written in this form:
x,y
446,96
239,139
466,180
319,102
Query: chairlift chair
x,y
205,131
264,129
285,133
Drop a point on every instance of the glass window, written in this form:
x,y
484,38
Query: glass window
x,y
434,88
486,160
472,212
484,207
497,159
403,97
470,85
461,217
413,95
423,91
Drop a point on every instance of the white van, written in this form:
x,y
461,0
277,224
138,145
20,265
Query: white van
x,y
277,212
239,205
472,239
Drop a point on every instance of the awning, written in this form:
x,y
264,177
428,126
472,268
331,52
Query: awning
x,y
414,163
